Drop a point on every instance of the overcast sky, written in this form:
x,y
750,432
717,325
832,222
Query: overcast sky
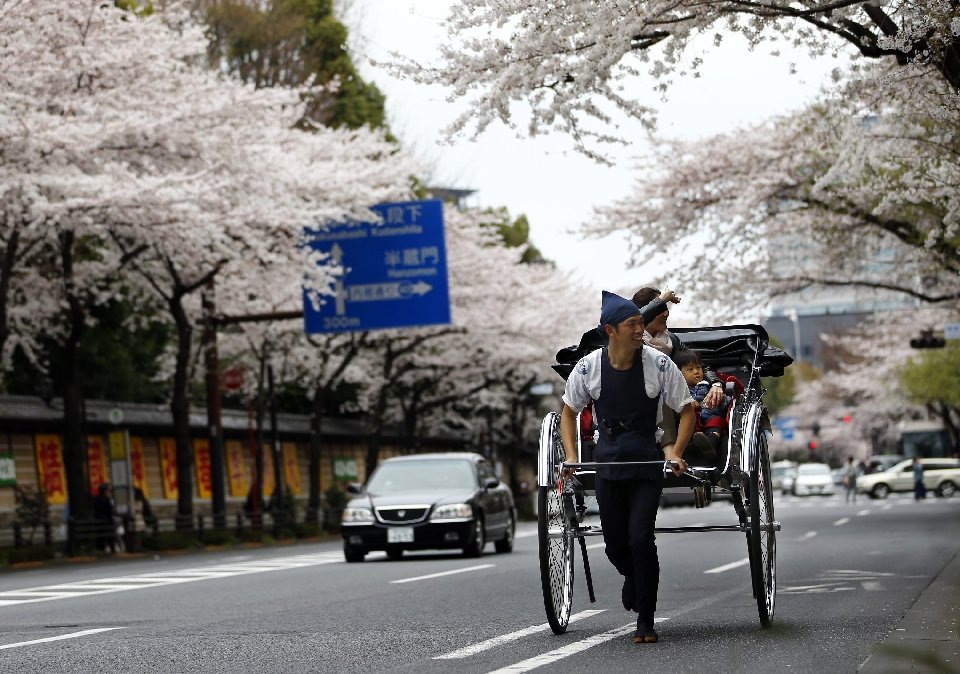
x,y
545,178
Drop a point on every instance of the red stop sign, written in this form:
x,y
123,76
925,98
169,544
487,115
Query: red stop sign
x,y
232,379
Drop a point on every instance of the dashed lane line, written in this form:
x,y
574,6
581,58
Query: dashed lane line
x,y
473,649
840,522
731,565
807,536
444,573
144,581
862,513
566,651
61,637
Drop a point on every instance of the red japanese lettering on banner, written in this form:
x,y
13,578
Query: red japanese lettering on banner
x,y
201,461
137,468
50,470
96,462
168,467
236,471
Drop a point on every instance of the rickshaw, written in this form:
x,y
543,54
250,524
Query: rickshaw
x,y
739,354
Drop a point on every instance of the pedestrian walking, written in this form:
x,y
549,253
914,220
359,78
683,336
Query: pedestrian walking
x,y
850,479
103,516
919,489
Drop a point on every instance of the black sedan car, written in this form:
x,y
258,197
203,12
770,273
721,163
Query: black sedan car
x,y
429,501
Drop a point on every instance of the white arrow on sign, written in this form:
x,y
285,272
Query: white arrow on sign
x,y
376,292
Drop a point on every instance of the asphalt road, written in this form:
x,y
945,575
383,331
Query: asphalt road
x,y
846,575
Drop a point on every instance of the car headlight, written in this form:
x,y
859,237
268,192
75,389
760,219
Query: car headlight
x,y
357,515
453,511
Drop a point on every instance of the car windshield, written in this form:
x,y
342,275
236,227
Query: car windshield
x,y
814,469
780,471
426,475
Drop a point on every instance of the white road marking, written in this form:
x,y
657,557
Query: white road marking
x,y
807,536
872,585
467,651
71,635
149,580
444,573
824,588
841,521
862,513
596,545
727,567
565,651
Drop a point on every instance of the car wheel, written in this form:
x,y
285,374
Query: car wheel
x,y
947,489
475,549
505,544
880,491
395,553
353,554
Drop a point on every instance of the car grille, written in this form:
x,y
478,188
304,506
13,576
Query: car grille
x,y
403,514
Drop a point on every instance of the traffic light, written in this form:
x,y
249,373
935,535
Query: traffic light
x,y
846,418
812,445
927,341
815,429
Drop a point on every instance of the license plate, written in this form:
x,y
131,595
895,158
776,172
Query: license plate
x,y
400,535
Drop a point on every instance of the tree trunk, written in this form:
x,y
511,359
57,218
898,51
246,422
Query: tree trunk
x,y
180,409
74,442
6,272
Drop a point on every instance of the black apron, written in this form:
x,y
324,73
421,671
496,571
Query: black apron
x,y
627,422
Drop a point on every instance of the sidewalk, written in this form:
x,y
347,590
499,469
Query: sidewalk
x,y
927,638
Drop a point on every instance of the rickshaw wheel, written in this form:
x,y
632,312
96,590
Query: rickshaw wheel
x,y
763,538
556,543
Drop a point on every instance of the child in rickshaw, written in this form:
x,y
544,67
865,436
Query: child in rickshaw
x,y
711,421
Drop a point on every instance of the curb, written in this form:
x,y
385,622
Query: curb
x,y
927,638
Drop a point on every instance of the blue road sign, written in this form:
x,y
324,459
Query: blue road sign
x,y
787,432
395,273
784,422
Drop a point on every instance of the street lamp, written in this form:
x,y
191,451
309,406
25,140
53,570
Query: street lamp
x,y
795,319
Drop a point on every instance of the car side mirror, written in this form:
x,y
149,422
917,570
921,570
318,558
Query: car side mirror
x,y
354,488
491,483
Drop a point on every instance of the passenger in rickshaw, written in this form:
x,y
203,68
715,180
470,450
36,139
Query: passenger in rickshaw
x,y
711,422
655,308
626,381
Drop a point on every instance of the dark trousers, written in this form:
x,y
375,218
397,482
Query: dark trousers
x,y
628,512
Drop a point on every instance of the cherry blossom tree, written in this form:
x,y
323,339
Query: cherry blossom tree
x,y
783,205
123,149
866,382
577,64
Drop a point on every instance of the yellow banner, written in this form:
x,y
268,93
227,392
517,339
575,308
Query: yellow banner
x,y
50,471
118,447
138,469
236,469
268,482
168,467
291,470
201,462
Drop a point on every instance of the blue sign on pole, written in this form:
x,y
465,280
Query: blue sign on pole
x,y
395,273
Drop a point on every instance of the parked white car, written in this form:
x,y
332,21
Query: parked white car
x,y
781,473
939,475
812,478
